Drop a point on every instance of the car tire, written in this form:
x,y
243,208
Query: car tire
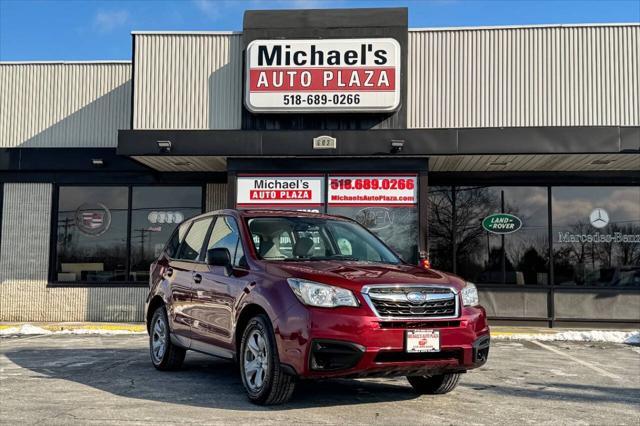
x,y
263,378
165,355
434,385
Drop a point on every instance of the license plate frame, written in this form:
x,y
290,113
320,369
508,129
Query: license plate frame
x,y
422,341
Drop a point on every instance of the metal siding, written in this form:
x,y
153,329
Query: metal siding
x,y
188,81
216,196
24,261
63,104
517,77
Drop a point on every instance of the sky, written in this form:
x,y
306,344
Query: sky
x,y
41,30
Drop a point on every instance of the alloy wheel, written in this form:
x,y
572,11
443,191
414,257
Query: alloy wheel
x,y
159,340
255,360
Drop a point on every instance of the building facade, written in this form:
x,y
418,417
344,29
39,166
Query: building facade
x,y
508,155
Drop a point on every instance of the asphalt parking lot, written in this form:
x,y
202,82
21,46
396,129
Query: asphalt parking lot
x,y
109,380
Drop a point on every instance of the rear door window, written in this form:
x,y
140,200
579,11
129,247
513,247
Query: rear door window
x,y
176,239
191,248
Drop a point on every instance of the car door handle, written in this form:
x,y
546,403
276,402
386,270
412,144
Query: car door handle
x,y
169,272
197,278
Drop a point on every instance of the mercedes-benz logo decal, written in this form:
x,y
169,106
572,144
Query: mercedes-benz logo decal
x,y
599,218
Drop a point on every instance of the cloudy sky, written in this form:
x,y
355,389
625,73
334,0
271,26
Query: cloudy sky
x,y
100,29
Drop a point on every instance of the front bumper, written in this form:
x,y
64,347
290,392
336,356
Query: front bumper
x,y
342,342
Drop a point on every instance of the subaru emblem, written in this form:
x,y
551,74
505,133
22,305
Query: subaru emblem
x,y
416,298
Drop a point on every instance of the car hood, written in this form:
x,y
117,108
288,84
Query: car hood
x,y
354,275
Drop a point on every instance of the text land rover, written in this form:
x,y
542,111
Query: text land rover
x,y
292,295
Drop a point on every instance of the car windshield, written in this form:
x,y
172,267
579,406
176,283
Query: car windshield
x,y
310,238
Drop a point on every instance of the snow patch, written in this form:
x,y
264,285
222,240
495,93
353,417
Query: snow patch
x,y
629,337
25,329
98,331
28,329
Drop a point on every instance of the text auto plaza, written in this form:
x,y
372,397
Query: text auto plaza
x,y
507,155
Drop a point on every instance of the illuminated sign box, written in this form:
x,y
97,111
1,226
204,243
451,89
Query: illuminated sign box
x,y
337,75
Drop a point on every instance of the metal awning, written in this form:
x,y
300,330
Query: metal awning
x,y
460,150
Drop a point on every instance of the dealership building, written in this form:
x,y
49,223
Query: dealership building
x,y
507,155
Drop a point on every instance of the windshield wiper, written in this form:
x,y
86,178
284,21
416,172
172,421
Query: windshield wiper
x,y
335,257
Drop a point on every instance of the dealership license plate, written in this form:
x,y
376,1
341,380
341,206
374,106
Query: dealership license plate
x,y
423,341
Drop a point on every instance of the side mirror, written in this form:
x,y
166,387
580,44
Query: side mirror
x,y
220,257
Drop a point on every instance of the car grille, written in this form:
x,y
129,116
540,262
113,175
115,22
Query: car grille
x,y
412,301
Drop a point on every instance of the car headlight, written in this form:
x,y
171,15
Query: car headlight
x,y
321,295
470,295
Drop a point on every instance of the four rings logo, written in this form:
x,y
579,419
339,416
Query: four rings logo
x,y
599,218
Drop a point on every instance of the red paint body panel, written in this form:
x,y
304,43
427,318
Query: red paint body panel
x,y
263,284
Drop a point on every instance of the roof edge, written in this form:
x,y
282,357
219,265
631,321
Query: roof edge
x,y
178,32
461,28
513,27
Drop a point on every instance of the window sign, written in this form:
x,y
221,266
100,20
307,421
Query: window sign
x,y
501,223
92,234
373,190
280,191
155,213
337,75
386,205
596,236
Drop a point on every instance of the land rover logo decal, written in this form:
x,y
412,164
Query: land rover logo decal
x,y
93,219
501,223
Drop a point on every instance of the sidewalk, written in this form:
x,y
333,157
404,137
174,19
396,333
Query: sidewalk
x,y
497,332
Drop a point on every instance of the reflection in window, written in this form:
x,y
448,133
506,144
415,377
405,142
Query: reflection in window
x,y
92,230
155,213
596,236
225,234
456,234
191,247
92,234
396,226
441,231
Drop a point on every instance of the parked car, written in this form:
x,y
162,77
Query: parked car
x,y
293,295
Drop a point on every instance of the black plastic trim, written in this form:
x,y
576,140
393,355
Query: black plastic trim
x,y
336,348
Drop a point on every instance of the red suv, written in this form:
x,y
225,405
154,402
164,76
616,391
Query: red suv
x,y
291,295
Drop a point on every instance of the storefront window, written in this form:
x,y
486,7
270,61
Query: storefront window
x,y
596,236
155,213
396,226
441,230
494,235
92,234
92,237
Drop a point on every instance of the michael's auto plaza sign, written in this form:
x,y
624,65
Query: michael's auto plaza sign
x,y
337,75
